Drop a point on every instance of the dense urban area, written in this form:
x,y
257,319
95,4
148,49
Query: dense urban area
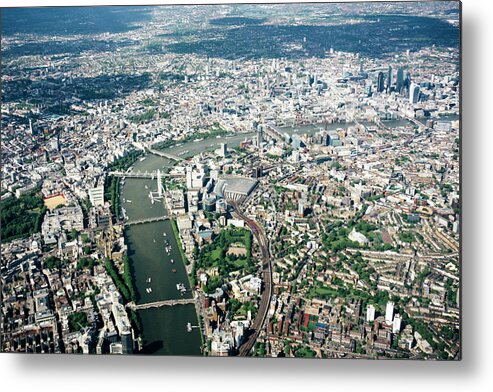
x,y
241,180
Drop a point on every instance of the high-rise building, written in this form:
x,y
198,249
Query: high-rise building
x,y
223,150
209,203
260,135
380,82
400,80
301,207
258,172
396,324
389,78
370,313
389,312
414,93
407,81
195,177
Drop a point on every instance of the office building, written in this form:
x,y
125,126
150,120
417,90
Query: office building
x,y
380,82
400,80
389,79
223,150
414,93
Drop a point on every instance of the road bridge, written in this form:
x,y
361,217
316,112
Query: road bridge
x,y
146,220
274,132
158,304
138,174
165,155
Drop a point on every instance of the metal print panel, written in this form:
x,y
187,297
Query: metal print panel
x,y
275,180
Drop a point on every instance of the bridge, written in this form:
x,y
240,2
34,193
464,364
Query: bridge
x,y
274,132
146,220
378,122
138,174
158,304
415,122
165,155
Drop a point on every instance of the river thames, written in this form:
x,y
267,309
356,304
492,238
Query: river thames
x,y
165,328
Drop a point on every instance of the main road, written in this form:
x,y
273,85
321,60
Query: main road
x,y
266,294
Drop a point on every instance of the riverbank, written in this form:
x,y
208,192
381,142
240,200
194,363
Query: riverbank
x,y
154,253
176,233
154,249
186,262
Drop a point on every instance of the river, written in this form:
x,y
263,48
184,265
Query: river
x,y
164,328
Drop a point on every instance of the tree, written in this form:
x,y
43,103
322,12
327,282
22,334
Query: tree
x,y
52,262
77,321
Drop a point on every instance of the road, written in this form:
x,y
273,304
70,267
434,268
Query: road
x,y
266,293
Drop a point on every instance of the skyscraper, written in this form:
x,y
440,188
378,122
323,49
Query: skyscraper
x,y
414,93
389,79
400,80
407,81
380,82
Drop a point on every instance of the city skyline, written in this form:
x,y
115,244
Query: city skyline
x,y
232,180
